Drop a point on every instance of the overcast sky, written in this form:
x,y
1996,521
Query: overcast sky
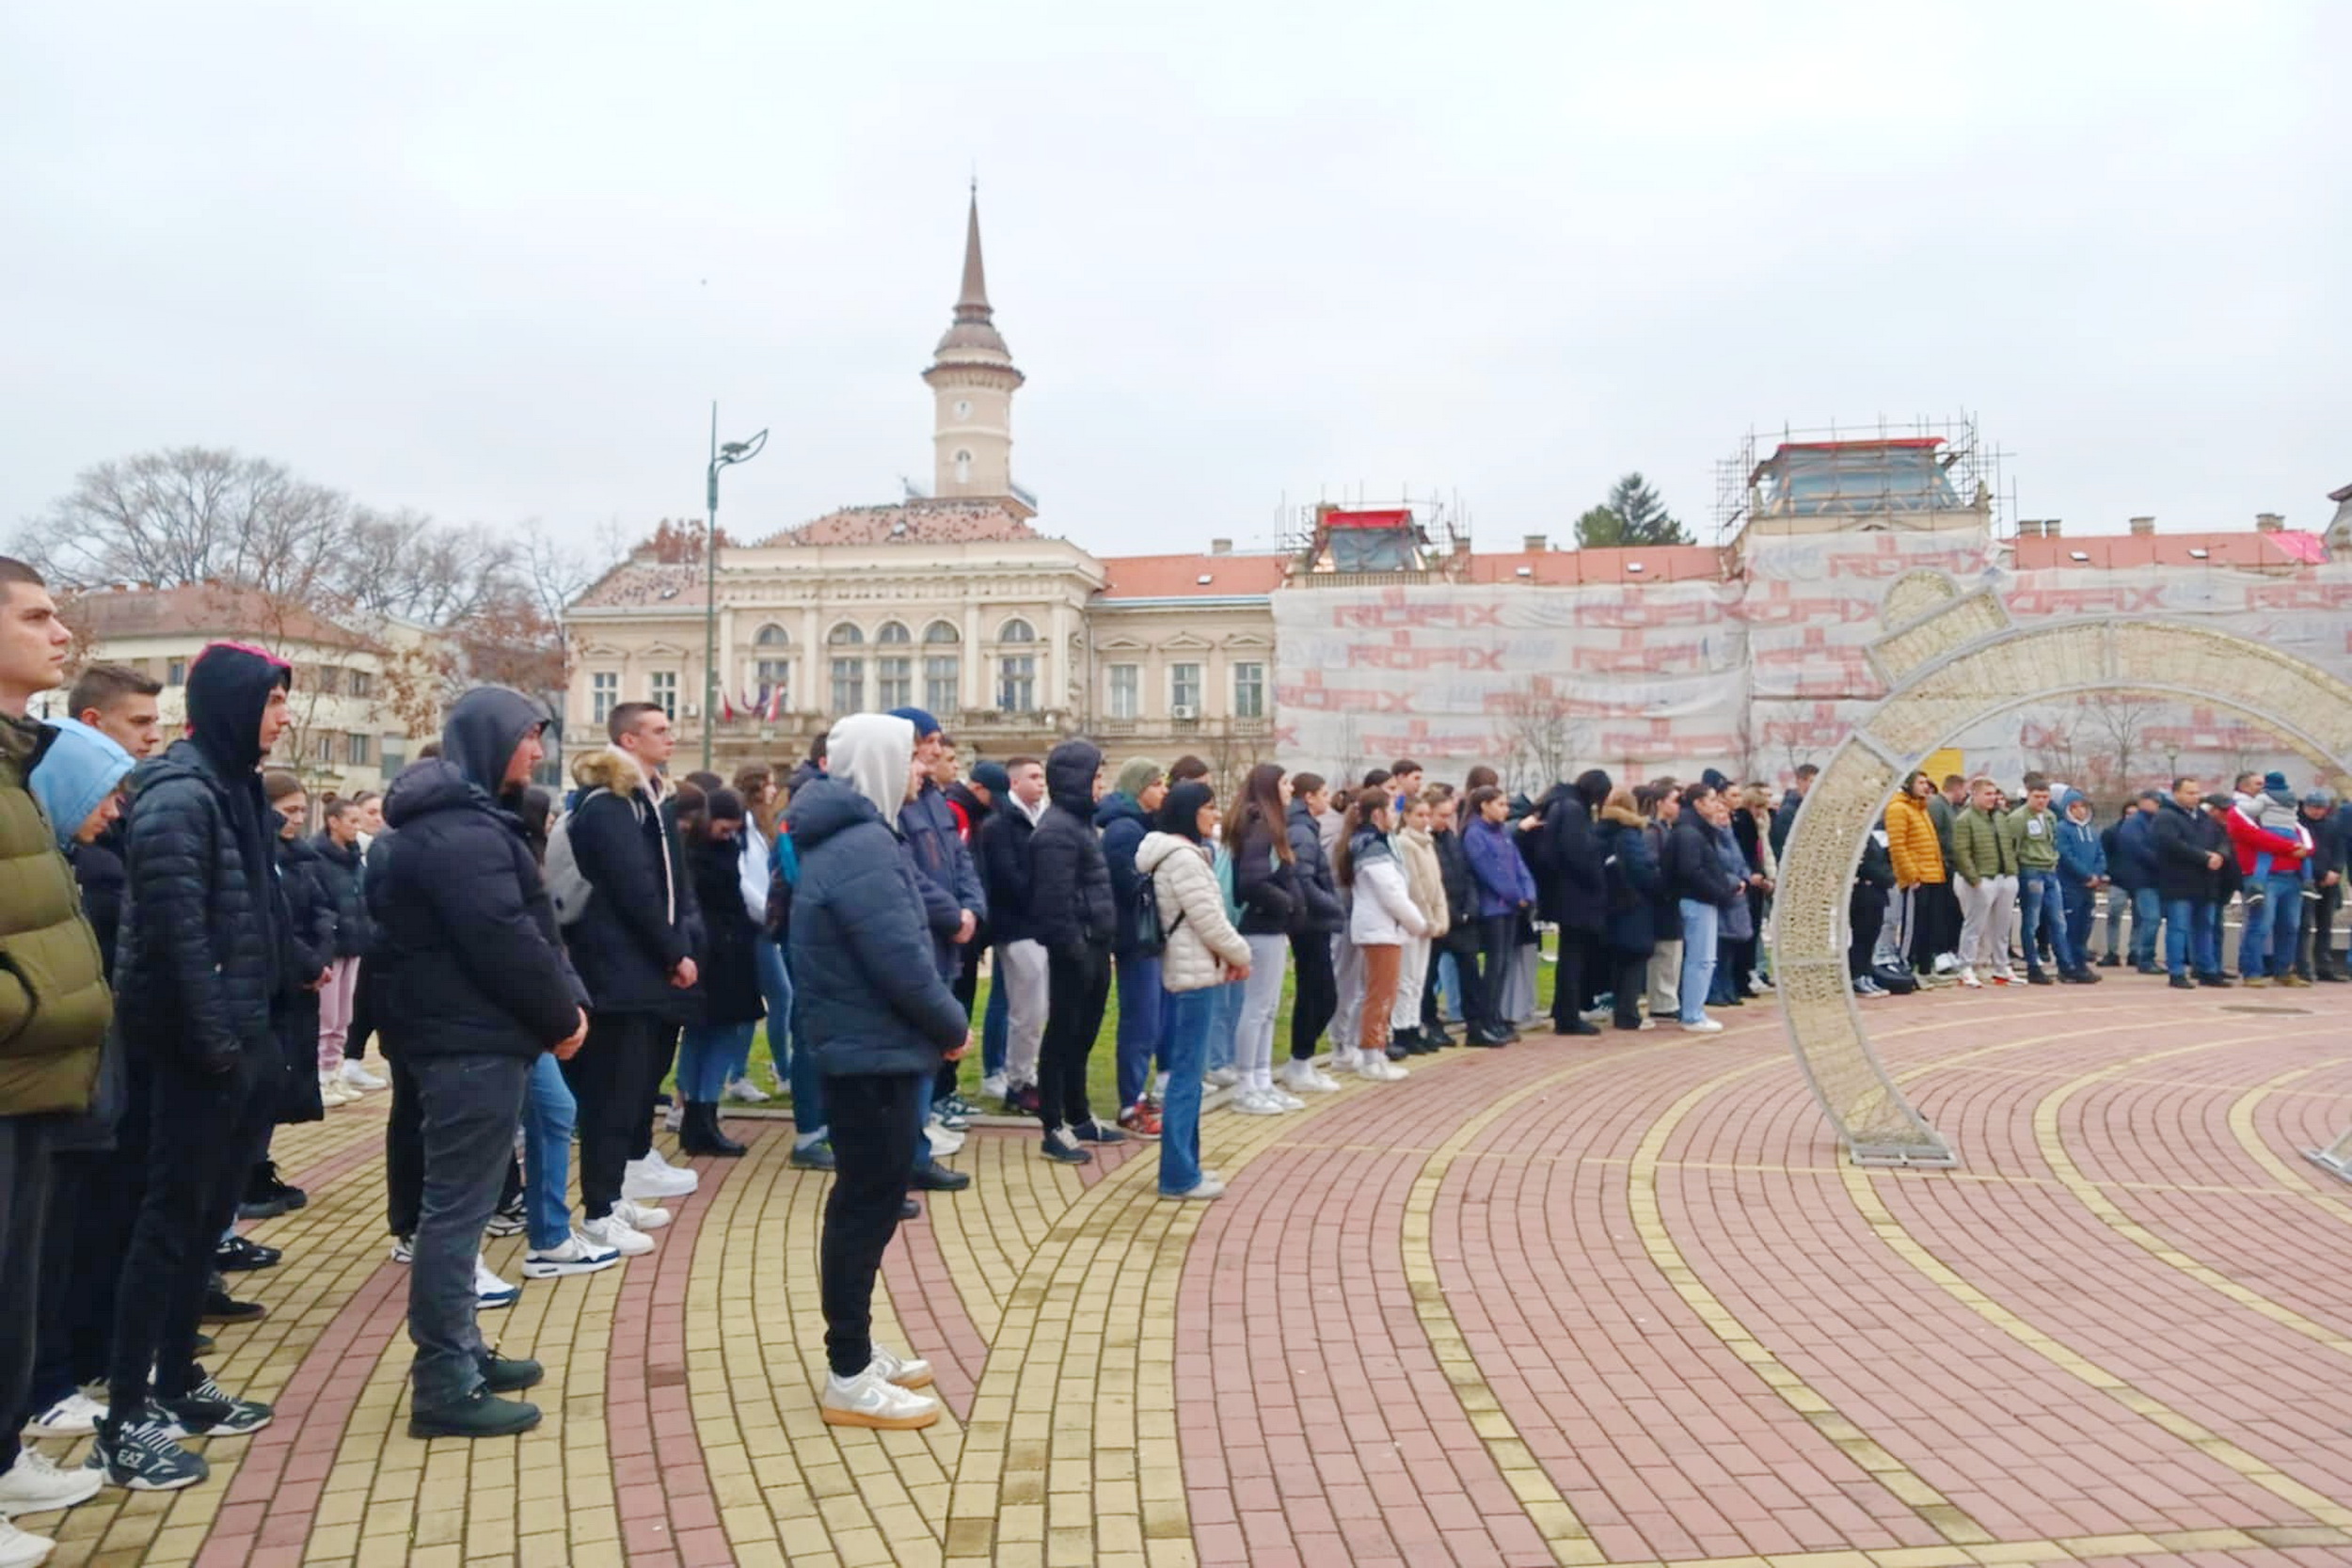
x,y
494,259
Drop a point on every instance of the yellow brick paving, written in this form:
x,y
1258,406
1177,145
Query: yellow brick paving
x,y
1070,1455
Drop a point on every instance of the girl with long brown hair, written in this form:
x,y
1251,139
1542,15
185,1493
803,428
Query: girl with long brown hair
x,y
1381,921
1265,885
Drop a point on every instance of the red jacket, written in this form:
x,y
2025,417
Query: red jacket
x,y
2249,841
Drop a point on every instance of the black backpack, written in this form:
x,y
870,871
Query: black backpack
x,y
1143,919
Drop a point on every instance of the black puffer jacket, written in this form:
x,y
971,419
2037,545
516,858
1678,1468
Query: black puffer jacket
x,y
867,995
1461,892
467,960
1571,886
1070,881
1694,870
639,922
1321,911
1264,884
1004,860
1631,877
200,958
98,871
337,869
307,912
729,981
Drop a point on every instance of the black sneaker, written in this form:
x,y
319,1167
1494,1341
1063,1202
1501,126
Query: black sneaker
x,y
1061,1146
208,1409
816,1156
206,1344
237,1253
221,1308
510,1220
141,1454
909,1209
2111,962
2214,982
479,1414
933,1177
2181,982
1091,1130
1023,1100
2036,976
509,1375
266,1197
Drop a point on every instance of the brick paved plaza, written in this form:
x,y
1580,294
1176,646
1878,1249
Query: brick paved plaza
x,y
1575,1302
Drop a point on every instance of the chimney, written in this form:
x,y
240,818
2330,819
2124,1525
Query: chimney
x,y
2143,526
1220,547
1534,544
2268,522
2028,528
2050,527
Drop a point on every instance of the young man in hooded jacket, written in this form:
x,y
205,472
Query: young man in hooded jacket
x,y
880,1018
476,986
1071,915
201,959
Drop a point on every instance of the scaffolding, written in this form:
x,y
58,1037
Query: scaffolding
x,y
1886,475
1403,537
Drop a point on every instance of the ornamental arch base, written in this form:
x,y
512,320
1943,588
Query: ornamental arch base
x,y
1949,659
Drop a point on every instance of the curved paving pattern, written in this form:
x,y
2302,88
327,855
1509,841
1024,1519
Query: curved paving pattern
x,y
1586,1303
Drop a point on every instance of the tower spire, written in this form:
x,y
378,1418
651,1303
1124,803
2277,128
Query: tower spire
x,y
972,379
974,298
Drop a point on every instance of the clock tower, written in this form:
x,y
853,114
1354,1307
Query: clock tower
x,y
973,379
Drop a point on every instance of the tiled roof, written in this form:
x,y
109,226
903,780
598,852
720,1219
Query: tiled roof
x,y
913,522
2112,551
1191,577
641,582
1631,564
204,609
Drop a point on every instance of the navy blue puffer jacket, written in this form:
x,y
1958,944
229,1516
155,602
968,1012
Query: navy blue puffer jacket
x,y
867,995
641,919
337,871
1070,881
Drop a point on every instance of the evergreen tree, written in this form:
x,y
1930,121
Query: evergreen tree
x,y
1633,515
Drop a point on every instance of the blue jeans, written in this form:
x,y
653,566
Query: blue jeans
x,y
2286,921
1141,1025
2044,905
1225,1024
995,1029
2192,936
1449,990
2082,904
1191,1014
2147,909
1699,924
549,1113
706,1053
800,1076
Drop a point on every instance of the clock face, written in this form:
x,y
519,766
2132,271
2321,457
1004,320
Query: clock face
x,y
963,410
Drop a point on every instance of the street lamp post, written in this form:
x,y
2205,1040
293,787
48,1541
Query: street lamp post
x,y
721,457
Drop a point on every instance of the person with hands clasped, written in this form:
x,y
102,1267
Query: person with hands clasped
x,y
474,986
1202,953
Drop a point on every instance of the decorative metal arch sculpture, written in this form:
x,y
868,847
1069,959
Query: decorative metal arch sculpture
x,y
1948,659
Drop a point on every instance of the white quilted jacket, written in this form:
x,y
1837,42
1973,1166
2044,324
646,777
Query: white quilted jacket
x,y
1186,884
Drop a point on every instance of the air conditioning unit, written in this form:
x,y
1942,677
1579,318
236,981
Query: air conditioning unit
x,y
1183,713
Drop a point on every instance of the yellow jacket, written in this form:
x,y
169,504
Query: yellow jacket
x,y
1911,842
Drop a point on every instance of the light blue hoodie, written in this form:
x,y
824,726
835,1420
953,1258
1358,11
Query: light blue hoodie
x,y
77,769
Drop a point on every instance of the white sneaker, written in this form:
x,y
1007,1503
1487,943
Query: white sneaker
x,y
74,1415
1703,1026
994,1085
489,1291
1256,1102
661,1160
652,1178
641,1216
1284,1100
403,1249
615,1232
332,1092
1221,1078
1200,1191
1301,1078
1946,962
945,1140
34,1486
748,1092
24,1549
1647,1023
1968,978
577,1254
672,1119
1343,1059
357,1076
870,1400
906,1371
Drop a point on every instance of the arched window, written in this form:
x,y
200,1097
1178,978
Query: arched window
x,y
963,468
849,669
1016,673
1017,630
771,670
943,673
894,673
892,632
772,636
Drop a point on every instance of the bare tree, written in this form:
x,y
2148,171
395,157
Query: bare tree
x,y
2116,723
1540,739
190,514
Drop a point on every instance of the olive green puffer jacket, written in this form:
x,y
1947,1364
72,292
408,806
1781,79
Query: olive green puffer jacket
x,y
54,1003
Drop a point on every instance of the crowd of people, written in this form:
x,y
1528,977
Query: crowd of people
x,y
185,965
